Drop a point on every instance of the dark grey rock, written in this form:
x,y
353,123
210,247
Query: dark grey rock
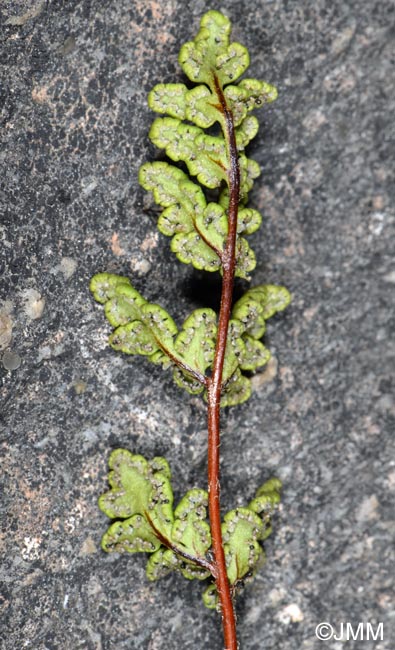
x,y
75,76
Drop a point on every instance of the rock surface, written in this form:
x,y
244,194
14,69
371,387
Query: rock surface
x,y
74,132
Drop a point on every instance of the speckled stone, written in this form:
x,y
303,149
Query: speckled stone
x,y
74,119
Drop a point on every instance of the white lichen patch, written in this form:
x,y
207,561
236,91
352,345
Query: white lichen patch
x,y
378,221
30,549
290,614
33,303
88,185
53,347
74,519
141,266
67,267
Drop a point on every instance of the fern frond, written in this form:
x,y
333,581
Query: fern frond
x,y
147,329
213,62
141,501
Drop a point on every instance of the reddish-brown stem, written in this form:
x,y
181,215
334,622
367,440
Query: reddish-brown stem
x,y
215,381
